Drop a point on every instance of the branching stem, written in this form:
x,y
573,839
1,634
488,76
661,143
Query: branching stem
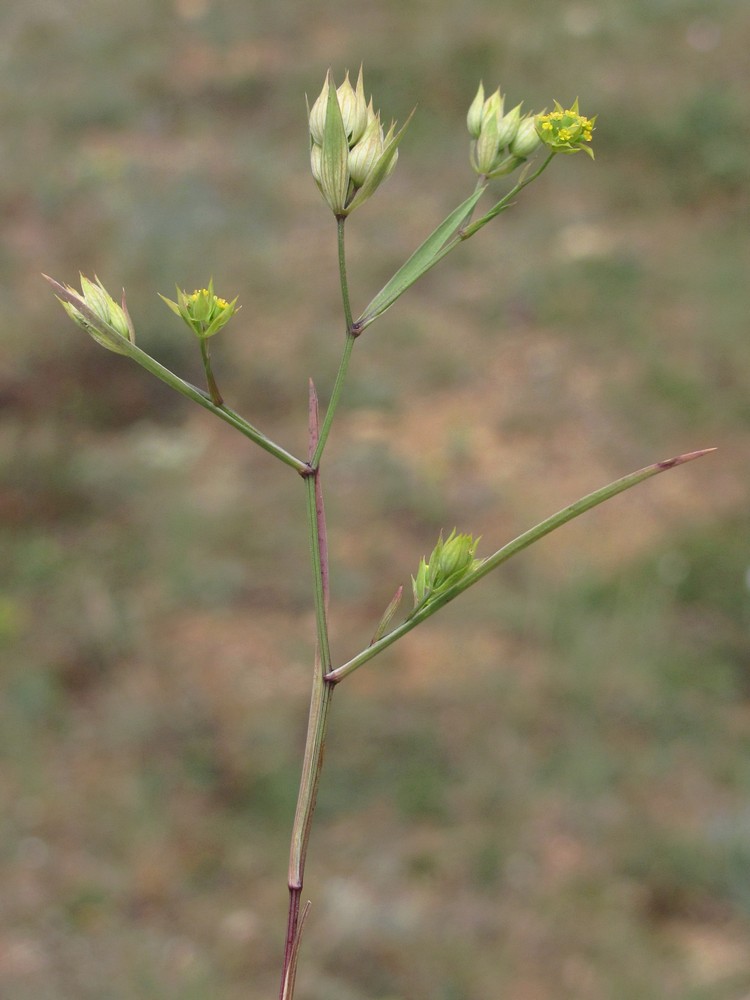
x,y
320,703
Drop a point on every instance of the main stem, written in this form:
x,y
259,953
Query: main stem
x,y
322,688
317,725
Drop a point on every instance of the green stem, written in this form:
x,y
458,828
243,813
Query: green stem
x,y
340,225
479,186
223,412
313,761
452,230
333,403
338,385
504,202
316,531
523,541
213,389
320,703
322,688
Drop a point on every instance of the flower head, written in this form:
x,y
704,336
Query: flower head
x,y
94,309
565,130
349,154
494,133
450,561
203,311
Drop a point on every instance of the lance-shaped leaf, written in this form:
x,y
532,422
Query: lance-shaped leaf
x,y
434,248
502,555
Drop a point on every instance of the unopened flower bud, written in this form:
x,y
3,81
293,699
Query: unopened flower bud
x,y
486,146
526,139
353,108
474,117
317,115
494,107
349,155
364,155
457,556
451,560
97,313
508,126
493,132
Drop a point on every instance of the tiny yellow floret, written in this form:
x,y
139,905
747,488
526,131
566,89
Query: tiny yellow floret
x,y
565,130
203,311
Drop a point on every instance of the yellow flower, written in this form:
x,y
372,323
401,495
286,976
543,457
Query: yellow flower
x,y
566,130
203,311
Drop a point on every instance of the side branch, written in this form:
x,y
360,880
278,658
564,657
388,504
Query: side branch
x,y
523,541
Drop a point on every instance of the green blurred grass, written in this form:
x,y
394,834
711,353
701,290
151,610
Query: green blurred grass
x,y
545,793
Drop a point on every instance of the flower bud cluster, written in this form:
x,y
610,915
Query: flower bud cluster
x,y
97,313
565,130
450,561
350,156
203,311
501,141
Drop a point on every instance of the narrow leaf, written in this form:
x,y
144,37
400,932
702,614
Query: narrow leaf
x,y
423,258
519,543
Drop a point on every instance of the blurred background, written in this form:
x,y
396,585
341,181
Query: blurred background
x,y
542,794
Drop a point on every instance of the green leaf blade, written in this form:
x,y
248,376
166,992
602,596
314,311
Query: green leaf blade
x,y
424,257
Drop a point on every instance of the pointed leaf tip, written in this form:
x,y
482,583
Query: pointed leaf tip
x,y
688,456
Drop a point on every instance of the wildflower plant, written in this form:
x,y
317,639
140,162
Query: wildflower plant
x,y
351,156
